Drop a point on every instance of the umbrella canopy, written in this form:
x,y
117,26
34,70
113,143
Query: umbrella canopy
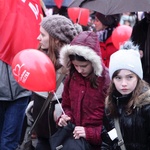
x,y
109,7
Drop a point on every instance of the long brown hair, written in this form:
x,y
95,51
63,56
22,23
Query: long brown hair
x,y
53,51
111,107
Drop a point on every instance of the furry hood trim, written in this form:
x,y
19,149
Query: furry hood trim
x,y
85,51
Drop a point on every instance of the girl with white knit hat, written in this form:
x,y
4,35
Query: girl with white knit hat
x,y
128,100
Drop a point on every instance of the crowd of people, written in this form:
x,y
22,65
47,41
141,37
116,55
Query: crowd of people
x,y
101,83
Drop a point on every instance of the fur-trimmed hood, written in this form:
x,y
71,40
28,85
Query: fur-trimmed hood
x,y
86,44
143,99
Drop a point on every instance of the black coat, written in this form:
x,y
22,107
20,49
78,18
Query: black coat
x,y
135,127
141,37
46,126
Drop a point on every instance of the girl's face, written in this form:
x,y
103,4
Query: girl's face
x,y
83,67
98,25
125,82
43,38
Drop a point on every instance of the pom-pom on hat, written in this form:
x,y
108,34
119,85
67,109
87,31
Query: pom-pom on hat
x,y
126,59
59,27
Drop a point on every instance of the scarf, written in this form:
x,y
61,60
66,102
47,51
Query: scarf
x,y
105,34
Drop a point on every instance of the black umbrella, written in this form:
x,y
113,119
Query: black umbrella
x,y
109,7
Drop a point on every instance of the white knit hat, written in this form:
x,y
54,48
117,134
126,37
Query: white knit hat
x,y
126,59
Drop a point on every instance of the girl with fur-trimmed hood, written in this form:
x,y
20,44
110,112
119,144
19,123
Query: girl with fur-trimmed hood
x,y
128,100
84,88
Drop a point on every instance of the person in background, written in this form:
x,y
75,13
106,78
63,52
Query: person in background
x,y
128,100
128,18
51,7
84,88
55,32
13,102
141,36
104,25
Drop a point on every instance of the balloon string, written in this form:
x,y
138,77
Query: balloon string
x,y
59,103
79,17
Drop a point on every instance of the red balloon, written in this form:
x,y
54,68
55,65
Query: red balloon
x,y
83,16
121,34
58,3
79,15
34,71
73,14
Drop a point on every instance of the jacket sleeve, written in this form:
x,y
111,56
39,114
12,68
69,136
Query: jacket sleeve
x,y
93,135
146,114
66,103
105,140
107,143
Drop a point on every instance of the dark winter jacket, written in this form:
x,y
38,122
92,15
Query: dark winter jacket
x,y
10,90
140,36
46,126
79,101
135,128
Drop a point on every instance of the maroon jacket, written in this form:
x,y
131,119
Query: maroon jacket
x,y
85,105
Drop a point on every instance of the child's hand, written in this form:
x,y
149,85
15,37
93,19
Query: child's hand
x,y
63,120
79,132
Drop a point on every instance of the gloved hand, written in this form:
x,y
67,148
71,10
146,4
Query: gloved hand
x,y
29,112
